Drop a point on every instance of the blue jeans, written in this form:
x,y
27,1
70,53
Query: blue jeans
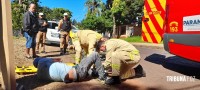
x,y
30,40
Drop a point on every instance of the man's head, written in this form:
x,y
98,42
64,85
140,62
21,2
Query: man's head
x,y
101,47
41,15
32,7
65,15
105,38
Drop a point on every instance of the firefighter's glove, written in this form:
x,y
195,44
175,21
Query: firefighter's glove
x,y
107,65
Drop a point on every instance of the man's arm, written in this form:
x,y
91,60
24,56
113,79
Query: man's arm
x,y
60,24
45,23
110,48
92,42
70,25
27,22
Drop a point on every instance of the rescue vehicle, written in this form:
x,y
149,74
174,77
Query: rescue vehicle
x,y
177,23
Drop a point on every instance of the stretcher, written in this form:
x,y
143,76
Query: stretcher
x,y
25,69
31,69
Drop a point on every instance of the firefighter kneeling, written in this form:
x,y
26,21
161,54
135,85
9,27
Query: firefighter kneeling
x,y
121,58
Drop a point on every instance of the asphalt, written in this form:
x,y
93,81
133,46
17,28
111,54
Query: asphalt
x,y
161,46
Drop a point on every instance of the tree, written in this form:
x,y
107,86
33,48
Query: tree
x,y
47,11
93,6
18,9
17,16
74,22
124,11
57,13
101,21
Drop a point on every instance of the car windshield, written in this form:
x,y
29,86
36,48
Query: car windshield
x,y
52,25
74,29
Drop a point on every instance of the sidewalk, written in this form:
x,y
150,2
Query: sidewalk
x,y
161,46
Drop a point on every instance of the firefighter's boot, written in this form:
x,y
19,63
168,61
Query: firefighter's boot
x,y
139,71
113,80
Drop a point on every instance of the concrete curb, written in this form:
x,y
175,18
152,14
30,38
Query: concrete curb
x,y
161,46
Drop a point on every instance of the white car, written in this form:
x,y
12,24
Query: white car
x,y
53,35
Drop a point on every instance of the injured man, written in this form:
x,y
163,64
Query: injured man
x,y
54,70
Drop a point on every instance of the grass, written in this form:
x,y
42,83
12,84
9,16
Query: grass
x,y
136,39
133,39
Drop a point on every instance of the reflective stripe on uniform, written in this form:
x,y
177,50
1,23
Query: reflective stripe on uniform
x,y
106,64
115,66
77,60
134,52
99,36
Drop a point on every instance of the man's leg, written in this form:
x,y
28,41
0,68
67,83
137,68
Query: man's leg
x,y
86,63
66,43
33,46
43,41
38,38
27,52
62,43
28,44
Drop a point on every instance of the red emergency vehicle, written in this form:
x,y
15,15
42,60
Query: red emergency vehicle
x,y
177,23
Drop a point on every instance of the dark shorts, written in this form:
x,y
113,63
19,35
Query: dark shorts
x,y
30,40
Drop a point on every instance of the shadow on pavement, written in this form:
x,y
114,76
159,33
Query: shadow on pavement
x,y
190,88
92,86
31,82
176,64
53,51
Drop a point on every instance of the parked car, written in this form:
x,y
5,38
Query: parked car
x,y
53,35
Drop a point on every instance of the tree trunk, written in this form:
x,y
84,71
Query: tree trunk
x,y
114,27
20,2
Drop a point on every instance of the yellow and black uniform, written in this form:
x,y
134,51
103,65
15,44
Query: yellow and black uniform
x,y
64,26
121,57
86,40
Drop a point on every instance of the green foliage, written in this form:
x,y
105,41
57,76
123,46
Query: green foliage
x,y
133,39
97,23
93,6
57,13
17,16
122,11
117,6
97,18
47,11
18,11
126,11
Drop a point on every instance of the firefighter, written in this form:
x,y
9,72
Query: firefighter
x,y
64,27
86,40
121,57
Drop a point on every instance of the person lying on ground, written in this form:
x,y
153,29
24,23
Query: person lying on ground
x,y
52,69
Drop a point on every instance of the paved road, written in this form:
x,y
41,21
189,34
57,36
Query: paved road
x,y
160,66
